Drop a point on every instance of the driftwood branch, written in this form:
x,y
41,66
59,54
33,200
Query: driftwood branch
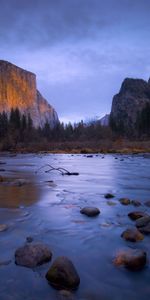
x,y
63,171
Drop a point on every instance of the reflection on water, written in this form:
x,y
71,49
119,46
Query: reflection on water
x,y
13,195
48,209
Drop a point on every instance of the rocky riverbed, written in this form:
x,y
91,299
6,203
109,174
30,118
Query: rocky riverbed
x,y
82,237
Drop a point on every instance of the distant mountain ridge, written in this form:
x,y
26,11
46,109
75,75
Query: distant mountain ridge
x,y
18,90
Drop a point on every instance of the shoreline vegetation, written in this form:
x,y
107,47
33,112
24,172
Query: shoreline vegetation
x,y
102,147
17,134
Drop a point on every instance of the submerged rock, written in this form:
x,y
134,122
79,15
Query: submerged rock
x,y
90,211
132,235
20,182
66,295
3,227
132,259
32,255
147,203
29,239
143,224
1,179
135,215
136,203
125,201
109,196
62,274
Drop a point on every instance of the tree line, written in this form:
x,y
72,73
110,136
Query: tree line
x,y
17,129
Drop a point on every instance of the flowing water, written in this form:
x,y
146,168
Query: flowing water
x,y
47,208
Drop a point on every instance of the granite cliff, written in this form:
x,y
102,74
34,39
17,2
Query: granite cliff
x,y
18,89
128,104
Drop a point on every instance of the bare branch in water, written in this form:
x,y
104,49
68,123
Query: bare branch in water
x,y
61,170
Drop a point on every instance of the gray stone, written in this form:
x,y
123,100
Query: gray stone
x,y
143,224
32,255
3,227
125,201
132,235
62,274
90,211
135,215
132,259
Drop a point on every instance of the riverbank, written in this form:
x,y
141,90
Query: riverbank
x,y
103,146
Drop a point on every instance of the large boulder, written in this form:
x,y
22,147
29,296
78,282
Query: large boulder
x,y
143,224
90,211
62,274
135,215
32,255
132,235
132,259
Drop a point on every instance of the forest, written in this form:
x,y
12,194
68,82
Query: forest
x,y
17,131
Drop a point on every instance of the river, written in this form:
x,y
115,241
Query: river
x,y
47,208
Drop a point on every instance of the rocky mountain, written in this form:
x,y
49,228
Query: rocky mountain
x,y
129,104
18,89
104,121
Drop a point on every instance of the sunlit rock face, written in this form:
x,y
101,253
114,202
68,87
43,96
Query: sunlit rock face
x,y
128,104
18,89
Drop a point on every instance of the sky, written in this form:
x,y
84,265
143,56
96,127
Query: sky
x,y
80,50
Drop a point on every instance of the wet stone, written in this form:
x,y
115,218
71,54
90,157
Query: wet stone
x,y
135,215
136,203
132,259
125,201
132,235
143,224
64,294
32,255
90,211
3,227
147,203
29,239
109,196
19,182
62,274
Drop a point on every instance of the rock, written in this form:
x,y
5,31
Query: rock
x,y
1,179
2,163
109,196
111,203
132,259
143,224
3,227
29,239
62,274
5,263
32,255
66,295
20,182
135,215
125,201
90,211
136,203
147,203
18,89
128,104
132,235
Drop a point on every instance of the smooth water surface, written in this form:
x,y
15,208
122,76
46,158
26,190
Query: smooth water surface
x,y
48,207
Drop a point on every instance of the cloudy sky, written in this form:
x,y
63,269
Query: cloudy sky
x,y
80,50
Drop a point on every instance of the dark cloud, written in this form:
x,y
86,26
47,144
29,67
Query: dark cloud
x,y
79,49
